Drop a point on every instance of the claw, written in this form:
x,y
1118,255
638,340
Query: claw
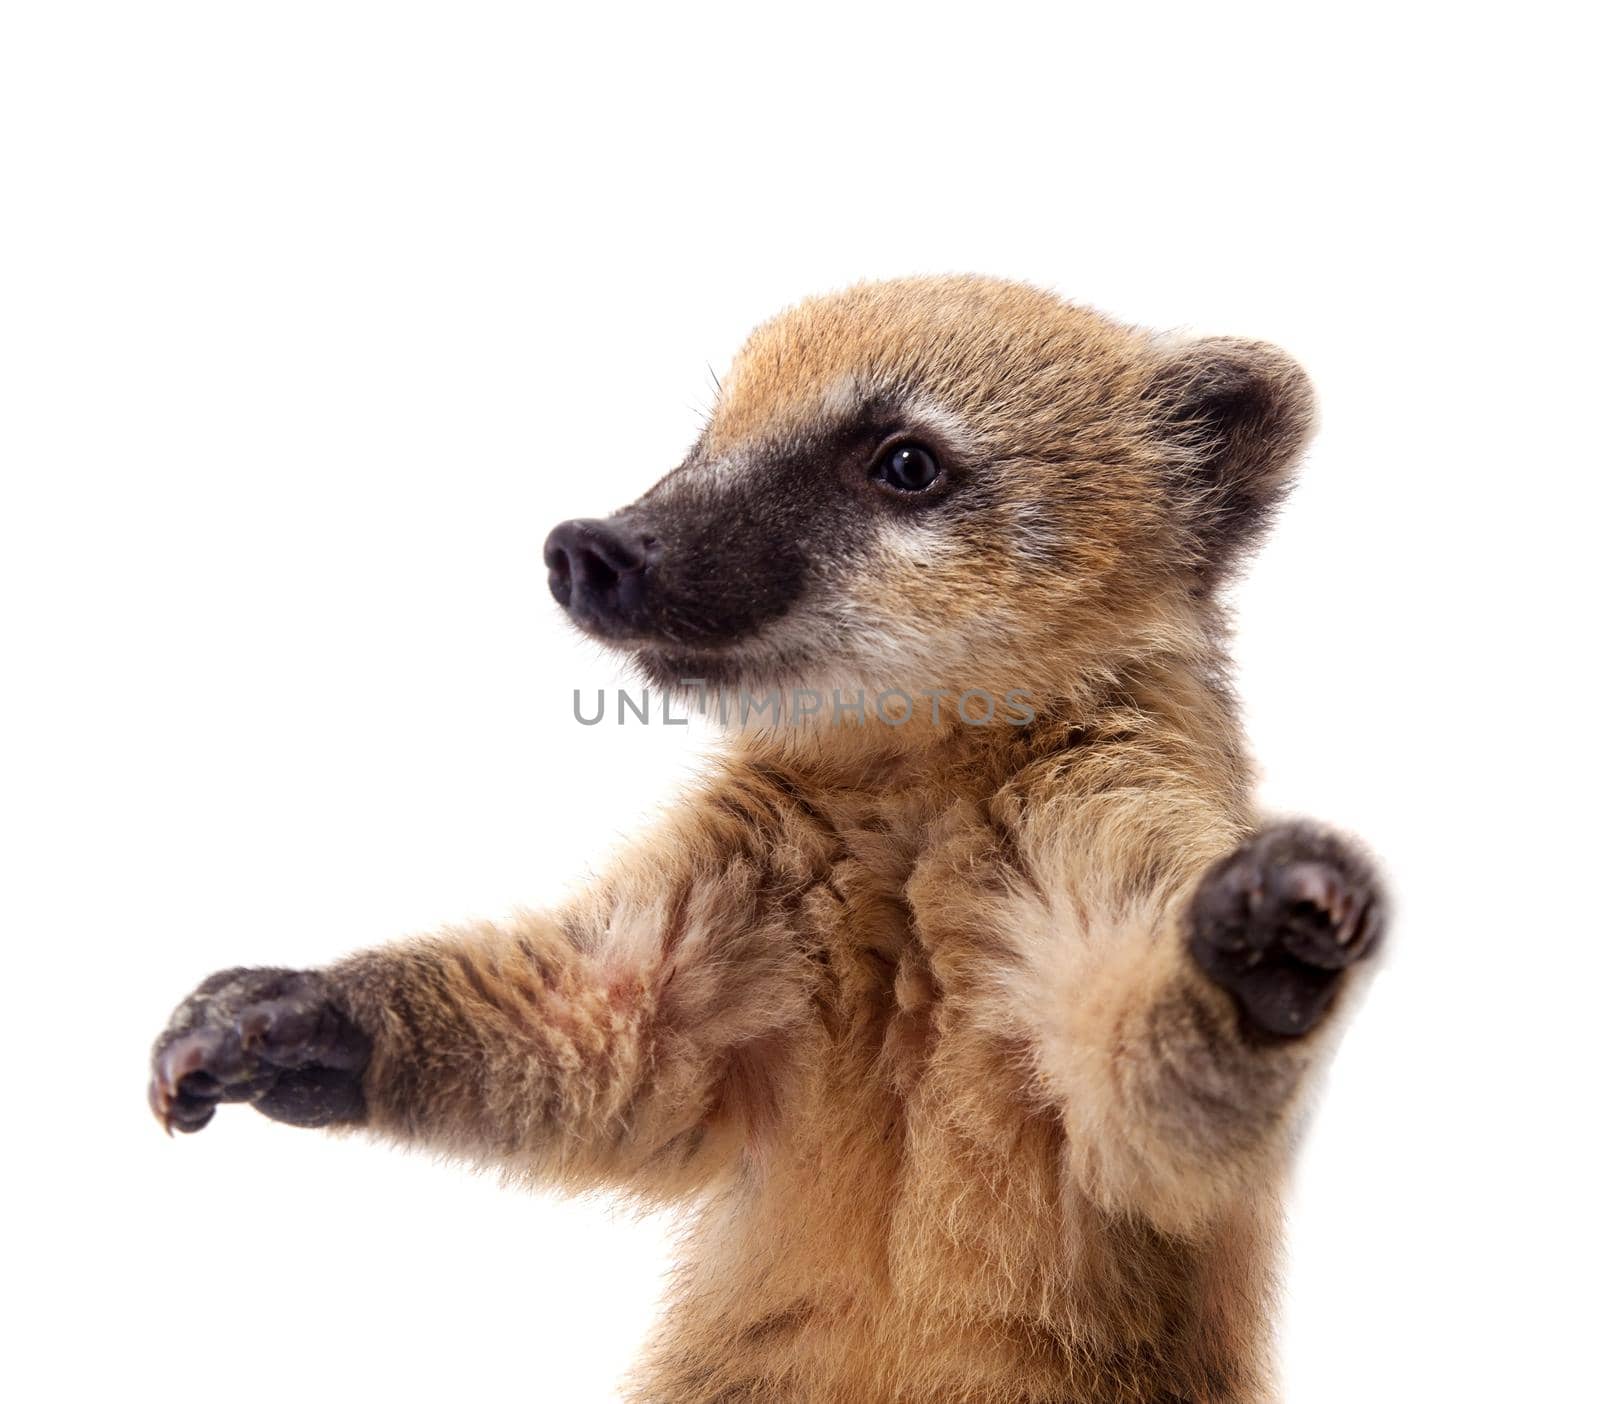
x,y
187,1055
190,1069
160,1104
1312,884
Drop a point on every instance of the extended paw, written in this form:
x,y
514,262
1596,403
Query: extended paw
x,y
1278,921
273,1038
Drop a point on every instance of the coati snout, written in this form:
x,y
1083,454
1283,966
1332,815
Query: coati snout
x,y
683,574
620,580
691,579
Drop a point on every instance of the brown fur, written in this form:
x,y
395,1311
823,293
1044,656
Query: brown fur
x,y
905,1015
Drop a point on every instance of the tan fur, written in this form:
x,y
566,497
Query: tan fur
x,y
959,1120
903,1016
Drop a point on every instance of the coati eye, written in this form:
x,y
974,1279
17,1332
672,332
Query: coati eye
x,y
908,468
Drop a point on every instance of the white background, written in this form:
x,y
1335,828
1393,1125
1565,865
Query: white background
x,y
316,317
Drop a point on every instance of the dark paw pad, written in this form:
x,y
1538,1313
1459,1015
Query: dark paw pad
x,y
273,1038
1278,921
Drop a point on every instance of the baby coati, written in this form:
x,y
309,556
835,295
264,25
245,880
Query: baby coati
x,y
975,1052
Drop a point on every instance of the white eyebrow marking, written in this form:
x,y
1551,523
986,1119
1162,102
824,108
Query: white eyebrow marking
x,y
838,404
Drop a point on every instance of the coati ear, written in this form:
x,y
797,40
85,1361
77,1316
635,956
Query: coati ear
x,y
1232,417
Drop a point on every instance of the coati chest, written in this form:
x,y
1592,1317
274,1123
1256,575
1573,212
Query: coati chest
x,y
915,1082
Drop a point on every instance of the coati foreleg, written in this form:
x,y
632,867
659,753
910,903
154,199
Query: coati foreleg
x,y
631,1040
1188,1033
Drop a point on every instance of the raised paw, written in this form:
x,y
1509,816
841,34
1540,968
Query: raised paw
x,y
1279,920
273,1038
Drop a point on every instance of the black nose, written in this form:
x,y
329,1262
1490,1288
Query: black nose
x,y
597,571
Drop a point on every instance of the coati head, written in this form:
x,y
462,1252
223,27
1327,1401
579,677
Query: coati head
x,y
942,482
